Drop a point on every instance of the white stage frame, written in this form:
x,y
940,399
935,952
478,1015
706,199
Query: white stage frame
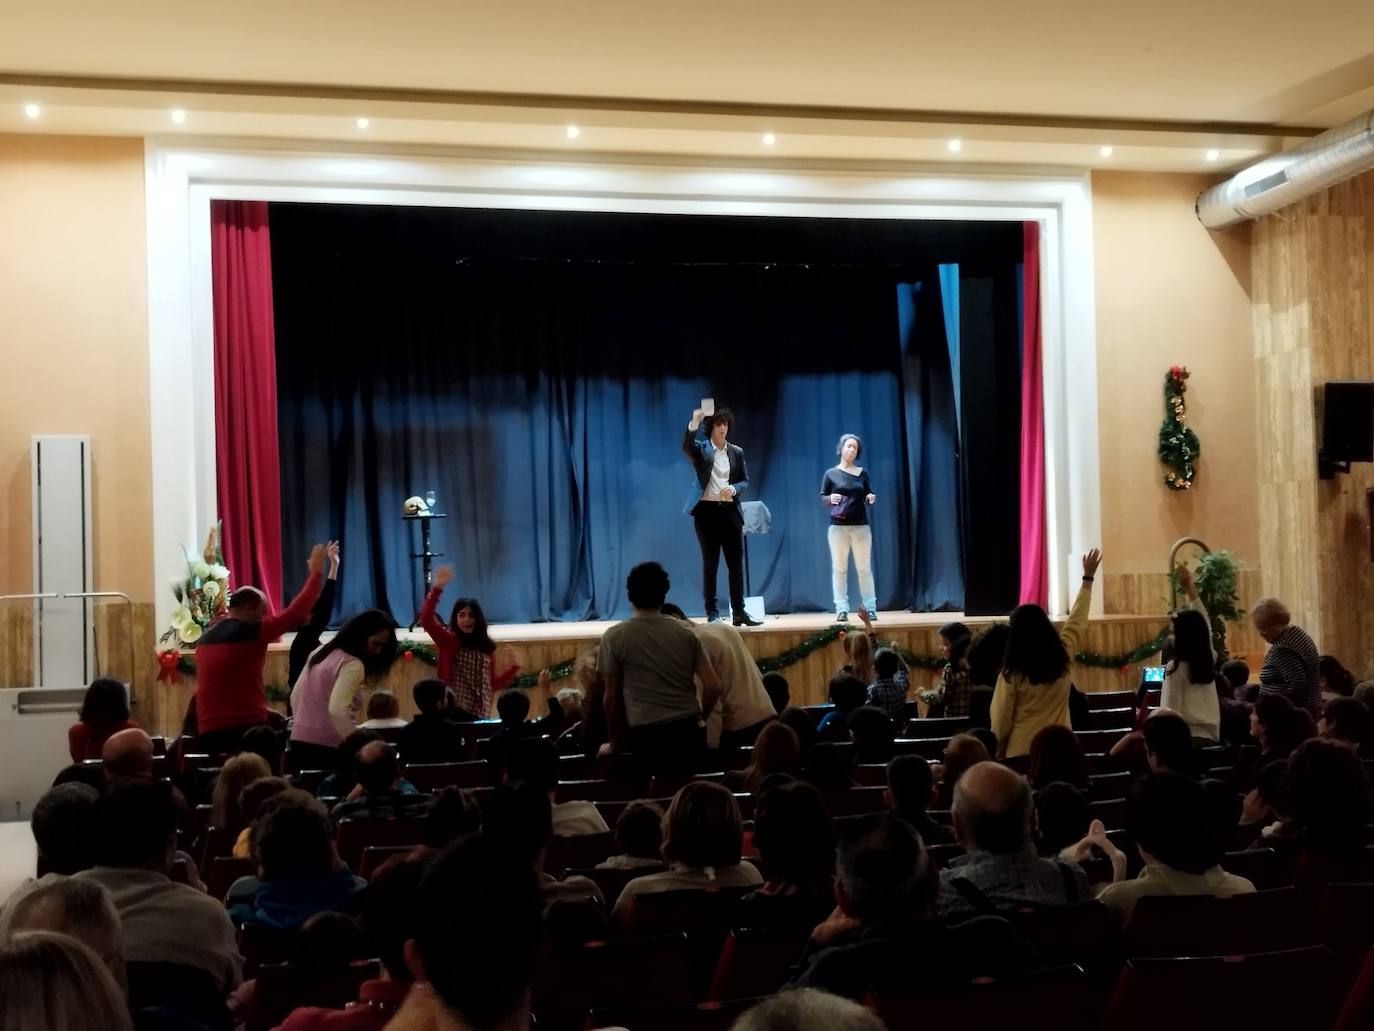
x,y
183,176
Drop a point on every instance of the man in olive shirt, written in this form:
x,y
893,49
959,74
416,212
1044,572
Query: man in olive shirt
x,y
648,662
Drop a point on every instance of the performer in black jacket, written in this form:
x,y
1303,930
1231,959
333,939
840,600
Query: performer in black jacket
x,y
714,506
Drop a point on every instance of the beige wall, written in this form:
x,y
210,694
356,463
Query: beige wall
x,y
1169,292
73,336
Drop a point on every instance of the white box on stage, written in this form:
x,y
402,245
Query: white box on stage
x,y
753,607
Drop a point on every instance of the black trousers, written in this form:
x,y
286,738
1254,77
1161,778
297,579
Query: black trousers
x,y
677,746
720,531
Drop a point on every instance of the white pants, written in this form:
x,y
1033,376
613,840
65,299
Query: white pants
x,y
859,540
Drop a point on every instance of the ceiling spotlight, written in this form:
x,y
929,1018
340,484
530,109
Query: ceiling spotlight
x,y
178,115
769,139
1213,154
1106,152
955,146
32,110
574,132
363,123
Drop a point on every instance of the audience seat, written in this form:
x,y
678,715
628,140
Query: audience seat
x,y
598,791
1358,1012
628,972
701,1016
753,963
310,780
1099,741
704,915
871,775
1273,991
356,835
187,991
1085,935
945,727
1111,811
1103,787
283,987
579,767
929,748
260,945
432,777
1110,699
375,855
855,801
567,850
1122,720
223,872
1263,867
1207,925
940,855
672,783
988,1002
1344,923
215,841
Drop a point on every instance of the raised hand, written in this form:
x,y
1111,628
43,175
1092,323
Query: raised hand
x,y
315,564
1091,560
331,551
1185,579
697,416
443,576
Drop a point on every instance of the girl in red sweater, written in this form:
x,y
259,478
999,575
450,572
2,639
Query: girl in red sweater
x,y
467,655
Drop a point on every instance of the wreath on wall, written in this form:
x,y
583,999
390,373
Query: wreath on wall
x,y
1178,444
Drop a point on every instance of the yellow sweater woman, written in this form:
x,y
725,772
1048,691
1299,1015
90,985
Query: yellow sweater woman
x,y
1033,688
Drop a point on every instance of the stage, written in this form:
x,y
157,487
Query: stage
x,y
541,645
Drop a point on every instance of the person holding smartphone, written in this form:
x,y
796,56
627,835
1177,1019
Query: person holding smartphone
x,y
721,477
846,491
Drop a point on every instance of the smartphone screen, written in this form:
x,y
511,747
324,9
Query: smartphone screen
x,y
1152,674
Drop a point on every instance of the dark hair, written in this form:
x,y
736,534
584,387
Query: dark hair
x,y
472,884
1285,725
639,830
1035,650
390,912
1326,793
264,741
453,814
847,692
669,609
1347,720
519,817
327,943
479,639
1061,817
702,827
379,771
346,759
1269,782
999,831
429,694
721,415
839,448
1193,645
794,835
987,651
909,780
886,663
383,706
986,737
533,760
513,706
647,586
802,724
871,731
776,750
881,867
1339,680
959,638
106,703
353,636
1236,671
1167,735
255,794
293,837
779,691
137,825
827,766
1056,754
90,775
66,828
1170,817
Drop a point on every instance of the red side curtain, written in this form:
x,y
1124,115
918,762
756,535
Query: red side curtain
x,y
1034,564
247,471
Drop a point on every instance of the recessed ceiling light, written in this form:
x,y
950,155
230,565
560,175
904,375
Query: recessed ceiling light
x,y
769,139
178,115
32,110
955,146
1213,154
363,123
574,132
1105,151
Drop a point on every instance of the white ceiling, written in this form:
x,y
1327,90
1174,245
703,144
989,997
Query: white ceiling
x,y
1027,73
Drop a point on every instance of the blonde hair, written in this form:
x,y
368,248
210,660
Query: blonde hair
x,y
79,908
383,706
859,648
236,774
54,982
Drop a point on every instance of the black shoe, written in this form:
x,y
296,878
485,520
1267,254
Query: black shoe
x,y
744,620
842,618
712,616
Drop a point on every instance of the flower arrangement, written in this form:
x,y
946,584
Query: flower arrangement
x,y
202,594
1178,444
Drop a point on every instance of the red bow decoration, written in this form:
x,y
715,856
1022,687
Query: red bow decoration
x,y
408,655
840,635
167,662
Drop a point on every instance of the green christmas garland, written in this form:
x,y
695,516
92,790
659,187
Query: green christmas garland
x,y
1178,444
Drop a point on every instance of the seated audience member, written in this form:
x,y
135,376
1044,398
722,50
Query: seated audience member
x,y
779,691
52,981
802,724
251,801
82,909
266,742
104,711
92,776
513,709
431,737
128,758
1364,692
236,774
703,839
1262,811
1168,741
639,836
1061,817
535,761
453,814
1346,722
299,870
1172,822
1336,680
847,693
164,922
1290,665
383,713
344,779
890,684
775,751
871,733
962,752
795,839
806,1009
66,829
1278,726
390,916
520,818
1001,870
475,980
740,707
910,789
884,938
1056,755
380,794
828,768
1327,810
1236,673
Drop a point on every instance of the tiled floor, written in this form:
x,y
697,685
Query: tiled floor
x,y
17,855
